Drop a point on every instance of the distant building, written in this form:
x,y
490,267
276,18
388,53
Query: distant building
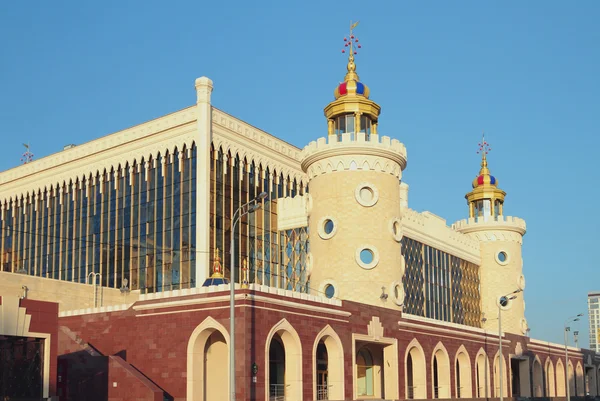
x,y
594,316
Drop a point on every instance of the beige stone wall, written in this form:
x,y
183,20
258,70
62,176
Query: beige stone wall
x,y
334,259
500,278
69,295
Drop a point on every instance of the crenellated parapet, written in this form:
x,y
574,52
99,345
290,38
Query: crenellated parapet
x,y
431,229
500,228
351,151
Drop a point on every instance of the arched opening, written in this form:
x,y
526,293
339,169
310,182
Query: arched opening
x,y
464,385
560,379
440,373
328,366
538,379
590,381
322,372
283,367
579,380
365,373
276,369
497,377
416,383
550,379
482,375
208,362
571,376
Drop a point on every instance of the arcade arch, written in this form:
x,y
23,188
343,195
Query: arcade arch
x,y
208,362
283,362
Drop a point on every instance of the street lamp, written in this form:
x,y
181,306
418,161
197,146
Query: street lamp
x,y
246,208
569,320
502,303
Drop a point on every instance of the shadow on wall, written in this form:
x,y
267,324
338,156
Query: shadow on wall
x,y
86,377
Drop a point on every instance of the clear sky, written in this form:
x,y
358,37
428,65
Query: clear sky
x,y
525,72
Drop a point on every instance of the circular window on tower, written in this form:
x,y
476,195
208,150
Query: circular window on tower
x,y
328,289
397,291
366,194
327,227
367,256
396,229
502,258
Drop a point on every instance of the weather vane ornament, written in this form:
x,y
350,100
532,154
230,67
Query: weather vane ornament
x,y
484,148
27,156
351,42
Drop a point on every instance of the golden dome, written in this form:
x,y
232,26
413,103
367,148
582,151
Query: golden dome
x,y
352,95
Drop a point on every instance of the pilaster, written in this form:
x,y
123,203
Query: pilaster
x,y
204,87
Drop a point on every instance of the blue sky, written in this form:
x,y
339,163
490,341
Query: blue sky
x,y
525,72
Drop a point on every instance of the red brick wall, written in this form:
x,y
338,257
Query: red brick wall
x,y
155,341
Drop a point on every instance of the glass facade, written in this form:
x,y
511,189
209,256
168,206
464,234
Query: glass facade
x,y
135,222
274,258
440,286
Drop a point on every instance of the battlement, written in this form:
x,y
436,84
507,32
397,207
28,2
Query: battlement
x,y
499,223
354,152
432,230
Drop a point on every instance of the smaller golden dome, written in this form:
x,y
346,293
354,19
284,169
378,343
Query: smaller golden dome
x,y
485,185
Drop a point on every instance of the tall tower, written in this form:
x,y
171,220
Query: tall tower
x,y
501,239
354,200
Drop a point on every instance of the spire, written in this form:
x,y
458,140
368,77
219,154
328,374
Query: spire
x,y
484,149
352,44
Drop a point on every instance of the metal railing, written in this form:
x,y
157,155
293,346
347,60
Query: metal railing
x,y
322,392
436,392
277,392
410,392
458,391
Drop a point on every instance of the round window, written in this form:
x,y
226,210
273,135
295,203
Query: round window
x,y
396,291
329,291
366,194
502,257
327,227
366,256
396,229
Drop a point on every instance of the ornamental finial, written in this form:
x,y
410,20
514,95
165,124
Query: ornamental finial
x,y
352,44
484,149
217,268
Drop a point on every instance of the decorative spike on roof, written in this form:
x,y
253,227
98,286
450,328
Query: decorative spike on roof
x,y
352,95
484,177
351,84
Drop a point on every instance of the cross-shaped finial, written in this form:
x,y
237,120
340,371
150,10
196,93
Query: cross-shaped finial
x,y
352,42
484,147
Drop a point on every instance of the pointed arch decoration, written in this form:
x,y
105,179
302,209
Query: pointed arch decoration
x,y
335,363
293,359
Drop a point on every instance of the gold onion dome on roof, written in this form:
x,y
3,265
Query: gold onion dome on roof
x,y
485,185
352,95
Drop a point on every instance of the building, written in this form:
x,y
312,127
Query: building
x,y
342,290
28,348
594,316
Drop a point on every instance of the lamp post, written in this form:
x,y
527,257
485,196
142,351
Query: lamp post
x,y
246,208
502,302
567,328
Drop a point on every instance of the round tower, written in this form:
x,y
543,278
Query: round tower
x,y
354,199
501,239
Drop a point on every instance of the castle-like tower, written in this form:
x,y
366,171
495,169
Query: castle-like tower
x,y
354,200
501,239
